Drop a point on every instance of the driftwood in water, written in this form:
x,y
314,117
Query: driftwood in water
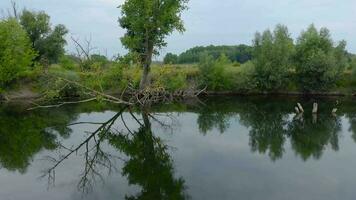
x,y
315,118
136,97
315,108
300,107
296,110
333,112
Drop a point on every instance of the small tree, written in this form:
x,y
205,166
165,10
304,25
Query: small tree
x,y
148,22
318,63
170,58
212,72
16,53
273,58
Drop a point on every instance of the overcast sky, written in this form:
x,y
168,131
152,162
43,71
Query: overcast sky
x,y
207,21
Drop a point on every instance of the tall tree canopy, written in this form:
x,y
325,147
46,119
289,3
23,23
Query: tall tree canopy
x,y
318,63
273,53
48,42
148,22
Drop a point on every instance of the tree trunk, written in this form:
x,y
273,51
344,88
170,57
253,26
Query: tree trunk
x,y
144,78
146,68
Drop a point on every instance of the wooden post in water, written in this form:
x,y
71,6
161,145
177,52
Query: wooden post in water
x,y
315,118
315,108
300,107
333,112
296,110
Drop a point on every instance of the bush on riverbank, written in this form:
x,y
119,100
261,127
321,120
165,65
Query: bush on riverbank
x,y
16,54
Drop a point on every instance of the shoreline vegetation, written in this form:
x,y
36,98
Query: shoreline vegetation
x,y
34,64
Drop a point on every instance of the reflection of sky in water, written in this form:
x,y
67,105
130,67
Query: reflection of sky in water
x,y
213,165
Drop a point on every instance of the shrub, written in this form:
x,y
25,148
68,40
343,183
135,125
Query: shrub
x,y
170,78
212,73
67,62
55,88
113,78
245,81
16,54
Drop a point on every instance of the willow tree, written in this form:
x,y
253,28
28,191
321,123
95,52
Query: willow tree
x,y
147,24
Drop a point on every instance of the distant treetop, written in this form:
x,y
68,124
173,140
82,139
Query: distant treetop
x,y
238,53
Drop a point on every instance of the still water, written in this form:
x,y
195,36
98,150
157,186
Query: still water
x,y
217,148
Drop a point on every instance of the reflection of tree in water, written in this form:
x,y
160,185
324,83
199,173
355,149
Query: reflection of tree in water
x,y
270,126
267,128
351,114
310,139
23,134
214,115
149,164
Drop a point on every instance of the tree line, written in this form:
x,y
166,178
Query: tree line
x,y
312,62
238,53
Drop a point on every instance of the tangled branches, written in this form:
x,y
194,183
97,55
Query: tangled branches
x,y
147,96
159,94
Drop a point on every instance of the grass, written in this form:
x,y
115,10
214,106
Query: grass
x,y
114,78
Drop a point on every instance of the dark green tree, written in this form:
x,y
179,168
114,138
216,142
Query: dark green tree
x,y
318,64
48,42
273,58
170,58
147,23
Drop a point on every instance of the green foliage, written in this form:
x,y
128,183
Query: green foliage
x,y
114,77
16,53
170,78
53,87
170,59
318,63
37,24
67,62
97,58
148,22
273,54
212,72
47,42
245,81
239,53
52,46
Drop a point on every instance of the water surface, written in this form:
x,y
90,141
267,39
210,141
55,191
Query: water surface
x,y
217,148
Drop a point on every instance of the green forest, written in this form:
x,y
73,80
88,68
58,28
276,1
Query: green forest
x,y
33,60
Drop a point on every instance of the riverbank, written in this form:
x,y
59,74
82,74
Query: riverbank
x,y
27,94
115,80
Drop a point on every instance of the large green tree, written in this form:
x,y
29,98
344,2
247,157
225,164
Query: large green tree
x,y
48,42
318,63
273,53
16,53
148,22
